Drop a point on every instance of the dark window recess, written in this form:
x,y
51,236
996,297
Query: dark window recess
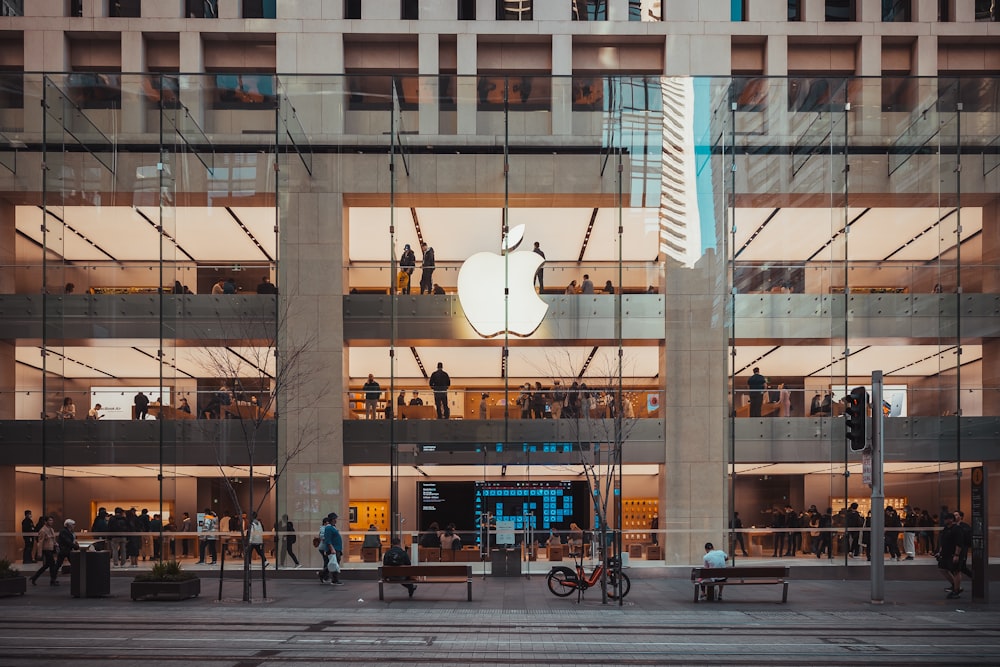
x,y
523,93
260,9
466,10
590,10
409,10
896,11
794,10
987,10
11,90
840,10
125,8
76,8
11,7
515,10
977,94
352,9
943,13
202,9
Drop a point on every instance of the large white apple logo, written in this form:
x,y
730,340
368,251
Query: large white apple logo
x,y
481,290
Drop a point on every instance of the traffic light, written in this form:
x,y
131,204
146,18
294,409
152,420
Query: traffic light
x,y
857,417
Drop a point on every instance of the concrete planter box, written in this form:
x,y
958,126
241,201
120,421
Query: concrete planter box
x,y
166,590
13,586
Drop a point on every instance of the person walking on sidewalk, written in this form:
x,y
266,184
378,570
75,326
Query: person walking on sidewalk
x,y
47,544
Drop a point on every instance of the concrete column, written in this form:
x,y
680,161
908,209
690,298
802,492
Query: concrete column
x,y
924,11
438,10
192,61
486,10
962,11
93,9
618,10
133,100
776,55
229,9
164,9
428,67
869,64
925,56
868,12
769,11
813,10
466,93
553,11
47,8
562,84
311,280
380,9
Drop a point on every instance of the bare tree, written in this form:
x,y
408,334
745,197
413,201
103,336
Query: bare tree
x,y
261,372
601,419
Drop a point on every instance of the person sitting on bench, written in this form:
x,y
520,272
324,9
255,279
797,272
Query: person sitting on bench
x,y
396,555
714,558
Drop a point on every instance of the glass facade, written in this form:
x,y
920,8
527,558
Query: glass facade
x,y
253,246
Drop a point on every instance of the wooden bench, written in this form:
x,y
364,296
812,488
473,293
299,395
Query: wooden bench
x,y
741,576
425,574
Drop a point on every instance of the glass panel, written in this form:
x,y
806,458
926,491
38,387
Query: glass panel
x,y
645,10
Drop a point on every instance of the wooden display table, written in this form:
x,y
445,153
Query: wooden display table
x,y
418,412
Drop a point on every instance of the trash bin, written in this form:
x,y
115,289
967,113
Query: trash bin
x,y
90,574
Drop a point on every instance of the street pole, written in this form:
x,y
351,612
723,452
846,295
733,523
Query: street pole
x,y
876,548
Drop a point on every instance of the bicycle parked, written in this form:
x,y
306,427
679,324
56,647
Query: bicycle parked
x,y
562,581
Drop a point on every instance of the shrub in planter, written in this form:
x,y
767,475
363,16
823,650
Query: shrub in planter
x,y
12,582
166,580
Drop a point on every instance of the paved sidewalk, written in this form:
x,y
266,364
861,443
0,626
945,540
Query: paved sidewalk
x,y
513,620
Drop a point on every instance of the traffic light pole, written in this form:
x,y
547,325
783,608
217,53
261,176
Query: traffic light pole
x,y
876,548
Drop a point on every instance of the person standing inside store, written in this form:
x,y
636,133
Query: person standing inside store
x,y
256,538
737,525
187,526
28,534
426,269
587,286
439,382
756,384
373,393
540,273
558,399
95,413
141,402
407,263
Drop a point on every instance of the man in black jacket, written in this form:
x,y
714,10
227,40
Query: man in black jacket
x,y
396,555
28,533
427,269
440,381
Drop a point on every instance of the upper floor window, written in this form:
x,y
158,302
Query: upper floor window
x,y
260,9
645,10
76,7
352,9
125,8
896,11
466,10
794,10
987,10
515,10
11,7
202,9
840,10
11,90
590,10
409,10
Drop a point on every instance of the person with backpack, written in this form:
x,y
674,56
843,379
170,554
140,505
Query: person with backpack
x,y
395,557
257,539
207,542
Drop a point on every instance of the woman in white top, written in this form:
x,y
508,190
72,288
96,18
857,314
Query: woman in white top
x,y
68,409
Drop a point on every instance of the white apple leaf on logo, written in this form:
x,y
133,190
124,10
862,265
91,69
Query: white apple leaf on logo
x,y
514,237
